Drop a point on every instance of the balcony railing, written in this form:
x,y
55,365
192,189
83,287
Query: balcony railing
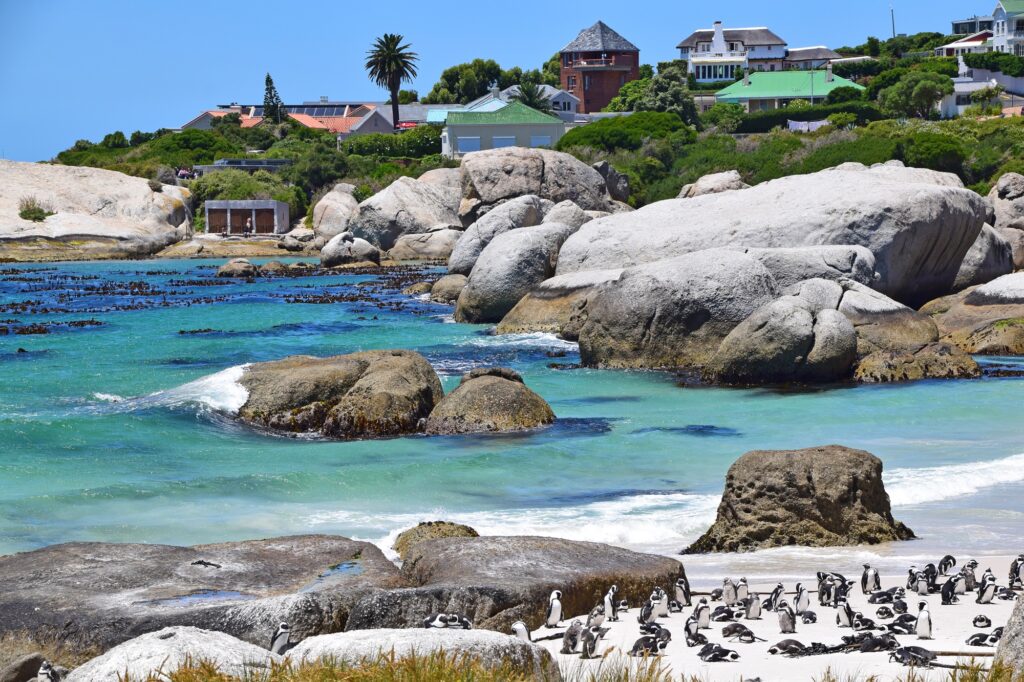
x,y
600,63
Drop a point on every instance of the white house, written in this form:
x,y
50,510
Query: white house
x,y
809,58
1008,27
964,87
719,54
974,43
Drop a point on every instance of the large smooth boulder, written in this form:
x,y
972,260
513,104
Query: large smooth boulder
x,y
1007,199
918,226
97,213
445,177
524,211
489,400
556,305
567,213
495,581
1015,238
97,595
448,288
346,248
882,323
793,265
372,394
672,313
334,211
1011,645
238,267
714,183
984,320
22,669
496,175
508,268
406,206
990,256
493,650
158,654
430,530
794,338
819,497
934,361
436,245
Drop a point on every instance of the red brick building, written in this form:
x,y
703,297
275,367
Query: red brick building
x,y
597,64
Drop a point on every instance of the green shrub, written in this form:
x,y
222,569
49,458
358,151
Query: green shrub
x,y
622,132
933,150
724,116
236,184
417,142
866,149
846,93
114,140
763,121
1009,64
842,120
30,208
155,185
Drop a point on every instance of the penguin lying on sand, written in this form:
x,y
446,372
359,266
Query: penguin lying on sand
x,y
787,646
808,617
716,653
982,621
912,655
978,639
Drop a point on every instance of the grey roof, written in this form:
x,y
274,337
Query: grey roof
x,y
796,54
548,91
409,112
600,38
748,36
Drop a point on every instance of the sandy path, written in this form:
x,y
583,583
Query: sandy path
x,y
952,626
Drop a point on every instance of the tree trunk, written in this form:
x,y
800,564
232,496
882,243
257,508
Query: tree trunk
x,y
394,107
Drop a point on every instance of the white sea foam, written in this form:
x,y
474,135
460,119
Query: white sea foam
x,y
529,340
108,397
221,391
932,484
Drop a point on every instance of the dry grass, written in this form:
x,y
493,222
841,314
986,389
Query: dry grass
x,y
16,645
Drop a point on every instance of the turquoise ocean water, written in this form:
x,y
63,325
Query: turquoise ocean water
x,y
122,431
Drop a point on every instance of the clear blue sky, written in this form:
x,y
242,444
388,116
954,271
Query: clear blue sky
x,y
72,69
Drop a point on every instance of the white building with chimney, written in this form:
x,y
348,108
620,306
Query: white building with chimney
x,y
721,54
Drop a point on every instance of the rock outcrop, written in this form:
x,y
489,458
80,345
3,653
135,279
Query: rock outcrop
x,y
919,225
884,324
801,338
616,182
445,177
984,320
489,399
494,650
448,288
335,210
372,394
524,211
244,589
556,305
96,213
819,497
406,206
346,248
436,245
934,361
715,183
494,176
430,530
508,268
1011,645
160,653
990,256
238,267
567,213
794,265
672,313
22,669
1007,199
495,581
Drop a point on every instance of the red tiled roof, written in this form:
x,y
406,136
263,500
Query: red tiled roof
x,y
251,121
308,121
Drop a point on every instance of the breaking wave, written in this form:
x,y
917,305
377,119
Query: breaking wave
x,y
220,391
917,486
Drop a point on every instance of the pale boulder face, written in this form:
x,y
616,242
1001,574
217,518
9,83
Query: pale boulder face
x,y
1007,199
97,213
917,225
567,213
497,175
990,256
524,211
984,320
883,324
445,177
346,248
489,400
436,245
164,651
715,183
672,313
334,211
556,305
1015,238
511,265
406,206
794,265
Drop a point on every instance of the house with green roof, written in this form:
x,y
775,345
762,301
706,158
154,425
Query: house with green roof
x,y
767,90
514,125
1008,27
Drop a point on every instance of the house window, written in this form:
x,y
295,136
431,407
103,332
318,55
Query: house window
x,y
586,82
572,82
540,140
503,141
963,100
467,144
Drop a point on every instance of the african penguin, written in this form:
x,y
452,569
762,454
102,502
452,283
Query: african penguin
x,y
683,592
520,630
554,615
946,564
611,605
279,640
949,590
808,617
703,613
591,639
987,592
742,591
802,601
844,615
1015,569
753,607
436,620
787,619
571,638
982,622
923,629
648,612
596,616
869,581
772,603
661,607
728,592
787,646
47,673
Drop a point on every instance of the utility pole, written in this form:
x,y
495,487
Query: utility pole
x,y
892,16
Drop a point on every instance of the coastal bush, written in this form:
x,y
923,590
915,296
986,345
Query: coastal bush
x,y
1009,64
622,132
935,151
114,140
763,121
842,120
31,208
418,142
236,184
724,116
846,93
915,94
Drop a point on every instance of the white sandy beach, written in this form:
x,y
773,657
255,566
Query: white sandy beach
x,y
952,626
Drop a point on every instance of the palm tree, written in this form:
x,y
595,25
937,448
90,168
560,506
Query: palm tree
x,y
389,63
532,96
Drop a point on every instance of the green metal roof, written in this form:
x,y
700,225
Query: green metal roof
x,y
516,113
1012,6
784,85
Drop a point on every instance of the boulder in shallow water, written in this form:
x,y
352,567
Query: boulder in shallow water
x,y
495,581
346,248
448,288
430,530
524,211
361,395
825,496
493,650
934,361
990,256
238,267
884,324
244,589
436,245
158,654
406,206
489,400
984,320
556,305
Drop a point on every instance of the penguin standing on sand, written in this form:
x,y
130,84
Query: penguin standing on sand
x,y
596,617
987,591
753,607
611,604
729,592
590,640
683,591
949,590
279,641
787,619
970,578
520,630
742,591
661,606
923,629
554,615
921,584
946,564
826,587
869,581
802,601
703,614
772,603
912,578
1015,569
571,638
844,615
647,611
